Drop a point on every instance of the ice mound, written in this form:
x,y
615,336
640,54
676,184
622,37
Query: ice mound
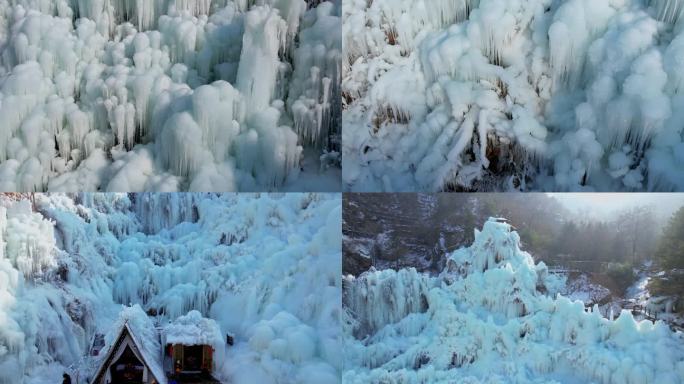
x,y
261,268
573,95
167,95
492,316
194,329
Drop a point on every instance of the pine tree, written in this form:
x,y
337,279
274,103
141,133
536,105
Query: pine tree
x,y
671,246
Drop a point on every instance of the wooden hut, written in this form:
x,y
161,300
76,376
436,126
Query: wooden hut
x,y
127,361
191,343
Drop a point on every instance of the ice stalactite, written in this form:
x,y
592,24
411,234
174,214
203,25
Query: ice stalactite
x,y
672,61
575,24
144,14
21,95
218,110
450,12
52,7
165,210
315,87
291,11
220,53
122,123
28,240
669,11
267,150
141,13
378,298
195,7
407,19
28,255
84,95
182,34
11,335
216,118
495,29
182,145
265,33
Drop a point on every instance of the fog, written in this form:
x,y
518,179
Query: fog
x,y
606,206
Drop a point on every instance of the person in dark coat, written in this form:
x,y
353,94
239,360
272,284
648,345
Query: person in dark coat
x,y
67,379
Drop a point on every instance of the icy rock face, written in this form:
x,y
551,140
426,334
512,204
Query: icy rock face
x,y
262,268
510,95
164,95
492,317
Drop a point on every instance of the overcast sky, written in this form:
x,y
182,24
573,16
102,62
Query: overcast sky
x,y
602,205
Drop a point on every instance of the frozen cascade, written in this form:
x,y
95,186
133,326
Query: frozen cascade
x,y
157,211
513,96
378,298
93,92
265,33
668,11
182,260
494,315
317,77
28,241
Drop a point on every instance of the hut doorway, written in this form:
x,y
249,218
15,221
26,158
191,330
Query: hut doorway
x,y
192,357
128,369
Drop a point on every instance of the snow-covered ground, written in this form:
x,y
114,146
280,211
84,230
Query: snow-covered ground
x,y
494,316
169,95
586,291
555,95
264,268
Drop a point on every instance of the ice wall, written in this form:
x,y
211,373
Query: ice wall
x,y
163,95
493,315
509,95
378,298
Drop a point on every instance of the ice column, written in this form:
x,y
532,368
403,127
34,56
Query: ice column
x,y
265,32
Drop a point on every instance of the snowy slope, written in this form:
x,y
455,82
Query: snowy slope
x,y
583,289
169,95
264,267
493,316
556,95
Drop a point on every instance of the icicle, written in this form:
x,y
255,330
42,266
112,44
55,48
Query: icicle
x,y
195,7
315,82
257,72
384,297
669,11
158,211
